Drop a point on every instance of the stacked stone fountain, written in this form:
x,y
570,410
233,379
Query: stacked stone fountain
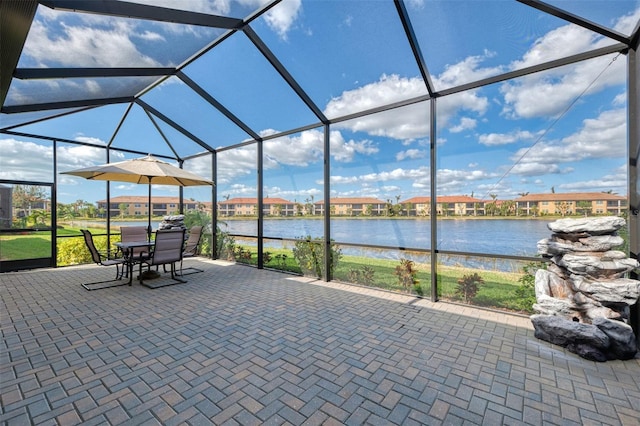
x,y
583,297
172,222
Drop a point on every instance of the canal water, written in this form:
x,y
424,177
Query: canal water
x,y
493,236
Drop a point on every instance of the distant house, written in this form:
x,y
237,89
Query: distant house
x,y
139,205
446,205
356,206
573,203
248,206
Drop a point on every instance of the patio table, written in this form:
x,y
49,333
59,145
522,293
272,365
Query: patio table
x,y
127,250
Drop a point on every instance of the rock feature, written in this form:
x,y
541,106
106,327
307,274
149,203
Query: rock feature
x,y
173,221
584,295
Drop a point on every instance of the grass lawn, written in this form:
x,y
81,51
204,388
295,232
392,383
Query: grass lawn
x,y
37,244
34,245
497,292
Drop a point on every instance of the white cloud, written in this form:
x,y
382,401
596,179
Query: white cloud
x,y
151,36
628,23
550,93
411,154
89,139
493,139
615,181
466,123
388,89
563,41
467,70
236,163
281,17
81,46
397,174
448,175
307,148
535,169
406,123
300,195
300,150
24,160
601,137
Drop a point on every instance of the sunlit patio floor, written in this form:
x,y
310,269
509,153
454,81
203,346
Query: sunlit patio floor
x,y
239,345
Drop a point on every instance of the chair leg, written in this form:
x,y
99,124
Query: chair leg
x,y
98,285
173,273
174,277
195,270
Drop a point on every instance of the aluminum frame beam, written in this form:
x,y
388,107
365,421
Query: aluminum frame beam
x,y
15,21
65,104
284,73
173,124
574,19
217,105
45,73
633,121
125,9
415,46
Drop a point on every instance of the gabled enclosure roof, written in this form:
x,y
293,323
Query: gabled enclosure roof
x,y
197,76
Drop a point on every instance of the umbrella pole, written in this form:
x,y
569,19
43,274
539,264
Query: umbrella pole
x,y
150,212
149,274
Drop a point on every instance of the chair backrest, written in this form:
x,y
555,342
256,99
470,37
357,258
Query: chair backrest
x,y
191,246
134,233
88,239
168,246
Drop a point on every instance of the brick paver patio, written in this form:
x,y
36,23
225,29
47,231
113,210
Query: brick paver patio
x,y
238,345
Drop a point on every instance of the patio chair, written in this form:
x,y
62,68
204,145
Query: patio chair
x,y
102,259
191,249
134,233
166,251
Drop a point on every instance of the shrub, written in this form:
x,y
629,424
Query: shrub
x,y
281,260
525,294
364,275
74,251
241,254
225,245
406,274
309,254
468,286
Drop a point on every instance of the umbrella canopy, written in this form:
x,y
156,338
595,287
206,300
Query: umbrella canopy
x,y
147,170
142,170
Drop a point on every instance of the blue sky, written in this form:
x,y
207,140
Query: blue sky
x,y
564,129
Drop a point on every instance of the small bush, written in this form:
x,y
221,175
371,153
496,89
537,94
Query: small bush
x,y
364,275
406,274
74,251
309,254
281,260
525,294
468,286
225,245
241,254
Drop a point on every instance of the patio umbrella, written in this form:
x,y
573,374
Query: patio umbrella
x,y
147,170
